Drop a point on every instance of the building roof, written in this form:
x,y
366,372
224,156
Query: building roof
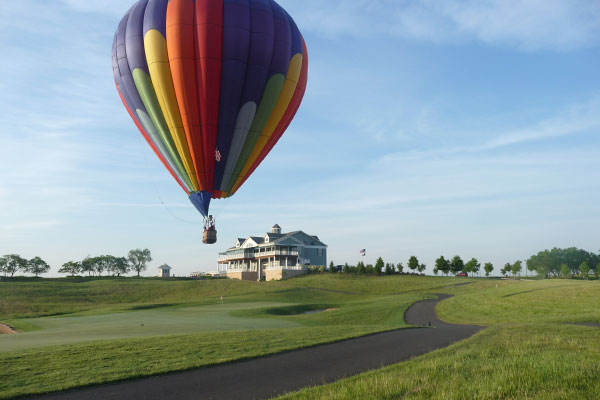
x,y
302,238
296,238
276,226
164,266
273,236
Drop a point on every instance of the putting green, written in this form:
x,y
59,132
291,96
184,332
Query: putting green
x,y
153,322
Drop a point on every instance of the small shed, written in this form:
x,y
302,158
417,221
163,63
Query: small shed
x,y
164,271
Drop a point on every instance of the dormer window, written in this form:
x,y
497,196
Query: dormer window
x,y
266,238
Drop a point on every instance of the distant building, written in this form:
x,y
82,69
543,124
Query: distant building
x,y
274,256
164,271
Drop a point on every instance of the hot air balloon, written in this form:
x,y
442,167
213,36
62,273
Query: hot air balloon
x,y
212,85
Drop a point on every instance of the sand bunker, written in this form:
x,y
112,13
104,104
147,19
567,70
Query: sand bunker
x,y
319,311
5,329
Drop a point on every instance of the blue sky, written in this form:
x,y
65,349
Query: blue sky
x,y
428,128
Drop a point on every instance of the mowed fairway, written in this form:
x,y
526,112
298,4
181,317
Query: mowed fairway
x,y
530,350
171,320
82,332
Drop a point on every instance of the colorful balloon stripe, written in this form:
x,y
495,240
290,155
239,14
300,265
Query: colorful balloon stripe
x,y
134,106
211,84
285,121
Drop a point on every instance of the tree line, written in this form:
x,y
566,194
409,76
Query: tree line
x,y
564,263
136,260
413,266
456,265
380,267
556,263
10,264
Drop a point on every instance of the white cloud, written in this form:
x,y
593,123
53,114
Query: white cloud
x,y
527,25
530,25
113,7
573,120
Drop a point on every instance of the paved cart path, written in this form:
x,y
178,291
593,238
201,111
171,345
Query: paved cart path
x,y
265,377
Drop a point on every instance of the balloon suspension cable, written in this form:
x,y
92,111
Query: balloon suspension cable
x,y
156,189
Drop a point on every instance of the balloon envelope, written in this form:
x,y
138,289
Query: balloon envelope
x,y
211,84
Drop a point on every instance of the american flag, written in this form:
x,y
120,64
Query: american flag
x,y
217,155
363,252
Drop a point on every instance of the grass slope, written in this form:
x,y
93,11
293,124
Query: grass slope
x,y
66,296
90,309
529,351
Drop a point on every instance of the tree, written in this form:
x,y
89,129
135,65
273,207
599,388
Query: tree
x,y
488,267
88,265
400,267
413,263
565,271
541,269
507,268
71,268
332,267
139,259
3,263
37,266
549,262
102,264
378,266
457,265
584,269
517,267
441,264
346,268
116,265
421,268
438,264
360,268
392,268
13,263
369,269
388,269
472,266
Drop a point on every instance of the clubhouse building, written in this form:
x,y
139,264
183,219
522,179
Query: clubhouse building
x,y
274,256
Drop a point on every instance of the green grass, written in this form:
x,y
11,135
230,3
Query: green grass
x,y
143,323
86,332
492,302
64,367
504,362
57,297
528,351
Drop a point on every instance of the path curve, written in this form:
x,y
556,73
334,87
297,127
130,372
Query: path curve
x,y
269,376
